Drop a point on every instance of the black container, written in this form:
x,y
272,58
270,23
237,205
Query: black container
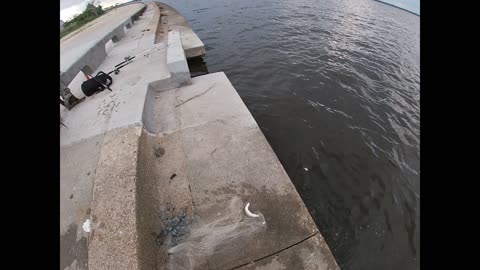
x,y
96,84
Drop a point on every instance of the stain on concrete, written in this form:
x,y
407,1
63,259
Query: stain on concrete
x,y
159,151
71,250
164,207
175,227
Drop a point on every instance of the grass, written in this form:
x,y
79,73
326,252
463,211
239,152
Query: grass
x,y
91,13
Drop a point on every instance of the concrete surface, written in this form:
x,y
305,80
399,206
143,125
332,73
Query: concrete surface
x,y
176,61
164,171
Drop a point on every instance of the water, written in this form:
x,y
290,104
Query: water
x,y
335,87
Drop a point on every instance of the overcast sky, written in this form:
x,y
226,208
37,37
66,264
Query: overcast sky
x,y
68,3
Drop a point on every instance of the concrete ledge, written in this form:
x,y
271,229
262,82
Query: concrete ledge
x,y
148,36
177,67
176,60
113,241
91,59
192,45
82,48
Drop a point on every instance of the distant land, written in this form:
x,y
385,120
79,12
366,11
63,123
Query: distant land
x,y
396,6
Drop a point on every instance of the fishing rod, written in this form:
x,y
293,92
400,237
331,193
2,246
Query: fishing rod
x,y
128,60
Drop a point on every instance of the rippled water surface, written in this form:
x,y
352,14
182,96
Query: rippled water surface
x,y
335,87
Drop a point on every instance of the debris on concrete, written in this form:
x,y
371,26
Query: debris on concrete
x,y
160,238
87,226
170,207
175,227
226,234
159,151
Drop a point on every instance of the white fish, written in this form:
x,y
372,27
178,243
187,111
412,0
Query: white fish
x,y
248,213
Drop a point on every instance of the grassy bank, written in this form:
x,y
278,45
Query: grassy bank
x,y
91,13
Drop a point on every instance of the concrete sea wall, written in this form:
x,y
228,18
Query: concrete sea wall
x,y
163,166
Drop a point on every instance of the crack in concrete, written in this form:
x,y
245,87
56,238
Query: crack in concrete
x,y
208,89
191,197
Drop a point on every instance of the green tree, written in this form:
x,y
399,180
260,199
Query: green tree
x,y
89,14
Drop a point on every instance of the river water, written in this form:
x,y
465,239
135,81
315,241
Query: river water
x,y
335,87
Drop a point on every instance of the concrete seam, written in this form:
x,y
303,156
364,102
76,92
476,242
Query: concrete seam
x,y
275,253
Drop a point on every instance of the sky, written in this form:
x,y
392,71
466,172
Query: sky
x,y
411,5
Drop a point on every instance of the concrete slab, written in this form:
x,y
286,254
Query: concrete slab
x,y
206,100
221,160
176,62
215,151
